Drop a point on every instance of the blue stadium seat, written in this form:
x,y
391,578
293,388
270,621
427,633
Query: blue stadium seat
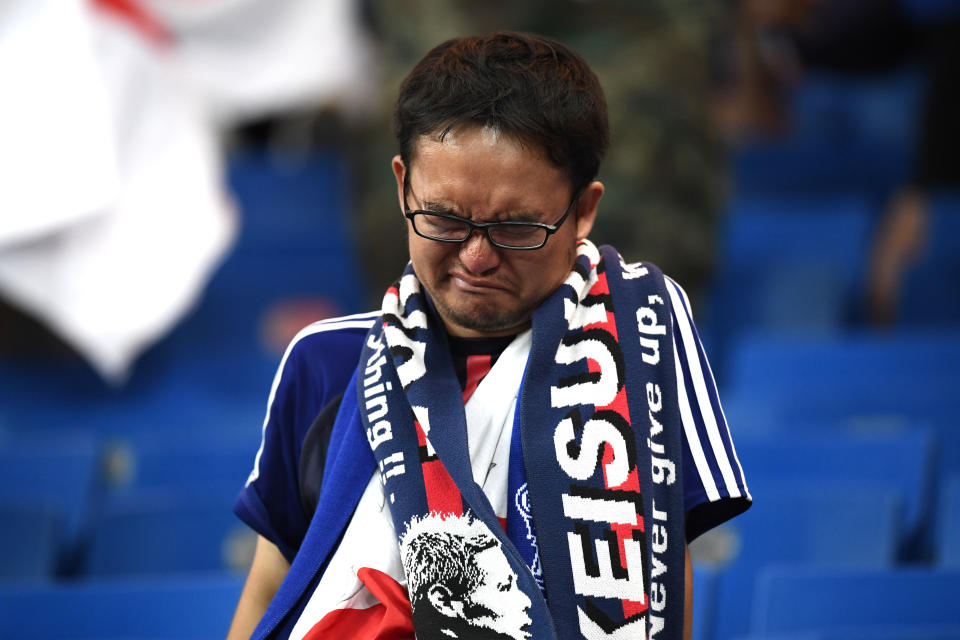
x,y
297,237
176,608
927,296
874,379
788,264
834,230
792,167
943,238
214,459
937,632
151,532
866,111
292,202
787,297
796,600
905,373
948,523
899,461
30,539
848,134
63,473
873,365
797,524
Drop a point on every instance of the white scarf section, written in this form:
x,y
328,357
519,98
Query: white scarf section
x,y
370,540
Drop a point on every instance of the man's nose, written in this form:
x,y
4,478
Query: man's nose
x,y
477,253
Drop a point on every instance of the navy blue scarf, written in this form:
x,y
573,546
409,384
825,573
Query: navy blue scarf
x,y
599,429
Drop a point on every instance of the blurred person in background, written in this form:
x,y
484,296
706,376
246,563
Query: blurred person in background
x,y
902,234
379,420
778,41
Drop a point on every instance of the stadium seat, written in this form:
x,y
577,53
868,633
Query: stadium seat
x,y
861,111
213,459
906,373
812,166
297,235
949,632
796,600
905,367
926,298
847,134
63,473
30,538
873,379
949,523
899,461
176,608
799,525
787,264
142,532
816,229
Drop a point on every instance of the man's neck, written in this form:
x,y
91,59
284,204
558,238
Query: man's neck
x,y
473,358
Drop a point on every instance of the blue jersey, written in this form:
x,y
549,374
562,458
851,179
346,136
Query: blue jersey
x,y
320,360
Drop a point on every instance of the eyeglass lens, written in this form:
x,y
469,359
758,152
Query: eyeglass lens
x,y
510,235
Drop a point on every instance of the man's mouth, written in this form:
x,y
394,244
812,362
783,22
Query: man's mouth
x,y
467,283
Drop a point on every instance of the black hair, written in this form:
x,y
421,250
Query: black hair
x,y
526,86
448,559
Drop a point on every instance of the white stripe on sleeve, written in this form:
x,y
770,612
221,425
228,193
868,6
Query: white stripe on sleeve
x,y
356,321
690,348
725,426
693,438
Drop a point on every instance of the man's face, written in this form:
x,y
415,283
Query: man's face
x,y
499,593
475,173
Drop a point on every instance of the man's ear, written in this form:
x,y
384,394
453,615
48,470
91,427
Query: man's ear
x,y
587,208
442,600
400,173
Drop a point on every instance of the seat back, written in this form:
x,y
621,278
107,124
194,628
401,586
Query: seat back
x,y
948,522
178,608
146,532
30,539
799,525
795,600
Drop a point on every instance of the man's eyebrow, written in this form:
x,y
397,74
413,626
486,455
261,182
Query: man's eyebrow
x,y
517,216
437,207
524,216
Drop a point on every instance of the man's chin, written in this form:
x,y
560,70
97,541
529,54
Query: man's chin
x,y
484,319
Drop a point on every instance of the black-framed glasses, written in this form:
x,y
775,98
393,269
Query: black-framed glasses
x,y
521,236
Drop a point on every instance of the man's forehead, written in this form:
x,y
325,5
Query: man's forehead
x,y
490,134
469,142
457,136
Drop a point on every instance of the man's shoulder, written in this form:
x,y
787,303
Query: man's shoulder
x,y
330,343
340,329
